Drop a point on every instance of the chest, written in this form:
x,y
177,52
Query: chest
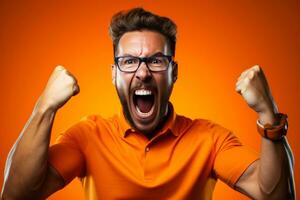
x,y
135,168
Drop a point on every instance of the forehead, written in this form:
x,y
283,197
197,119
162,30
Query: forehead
x,y
142,43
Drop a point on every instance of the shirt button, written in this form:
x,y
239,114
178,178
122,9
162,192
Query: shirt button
x,y
147,149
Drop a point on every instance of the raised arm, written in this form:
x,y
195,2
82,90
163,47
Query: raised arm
x,y
271,177
27,172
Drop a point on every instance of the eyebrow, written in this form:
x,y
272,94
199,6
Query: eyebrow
x,y
155,54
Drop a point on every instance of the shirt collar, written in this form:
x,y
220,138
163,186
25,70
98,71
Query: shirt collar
x,y
169,124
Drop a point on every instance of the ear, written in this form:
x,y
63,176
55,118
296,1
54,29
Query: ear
x,y
175,71
113,74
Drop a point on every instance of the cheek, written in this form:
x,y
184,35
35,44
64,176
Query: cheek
x,y
166,83
122,84
170,80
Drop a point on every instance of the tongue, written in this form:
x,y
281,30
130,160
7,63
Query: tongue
x,y
145,103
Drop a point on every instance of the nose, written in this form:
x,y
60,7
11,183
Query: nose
x,y
143,73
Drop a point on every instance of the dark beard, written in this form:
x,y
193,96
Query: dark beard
x,y
161,122
125,108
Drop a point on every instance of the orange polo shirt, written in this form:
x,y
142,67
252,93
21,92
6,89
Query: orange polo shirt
x,y
183,161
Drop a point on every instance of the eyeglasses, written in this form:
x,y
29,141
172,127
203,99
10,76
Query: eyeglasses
x,y
156,63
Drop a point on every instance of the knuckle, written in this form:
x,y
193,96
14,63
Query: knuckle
x,y
72,80
246,80
68,79
257,68
251,74
59,67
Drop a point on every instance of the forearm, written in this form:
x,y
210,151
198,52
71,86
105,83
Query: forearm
x,y
275,166
26,165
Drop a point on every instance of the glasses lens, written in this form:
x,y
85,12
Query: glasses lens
x,y
154,63
158,63
128,64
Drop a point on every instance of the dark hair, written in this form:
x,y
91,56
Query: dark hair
x,y
140,19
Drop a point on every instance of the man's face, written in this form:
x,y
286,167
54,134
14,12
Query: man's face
x,y
144,95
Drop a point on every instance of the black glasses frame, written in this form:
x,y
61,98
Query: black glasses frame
x,y
141,60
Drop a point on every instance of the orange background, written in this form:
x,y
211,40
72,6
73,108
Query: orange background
x,y
216,42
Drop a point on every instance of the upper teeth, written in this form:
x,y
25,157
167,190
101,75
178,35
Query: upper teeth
x,y
143,92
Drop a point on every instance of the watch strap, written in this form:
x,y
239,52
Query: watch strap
x,y
274,132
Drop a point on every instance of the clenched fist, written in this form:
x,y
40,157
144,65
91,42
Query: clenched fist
x,y
61,86
253,86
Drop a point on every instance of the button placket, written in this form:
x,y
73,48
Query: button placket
x,y
148,164
151,162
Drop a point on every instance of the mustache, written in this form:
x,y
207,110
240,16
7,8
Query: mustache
x,y
141,85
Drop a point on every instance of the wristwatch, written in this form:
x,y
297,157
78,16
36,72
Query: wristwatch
x,y
274,132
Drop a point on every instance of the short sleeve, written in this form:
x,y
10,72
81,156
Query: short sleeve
x,y
67,154
232,158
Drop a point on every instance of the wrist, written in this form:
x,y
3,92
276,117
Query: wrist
x,y
43,107
268,116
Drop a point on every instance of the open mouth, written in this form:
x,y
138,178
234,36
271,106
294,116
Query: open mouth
x,y
144,100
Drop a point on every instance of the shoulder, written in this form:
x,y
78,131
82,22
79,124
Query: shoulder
x,y
96,121
203,127
201,123
84,128
87,123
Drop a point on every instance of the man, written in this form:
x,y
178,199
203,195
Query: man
x,y
148,151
